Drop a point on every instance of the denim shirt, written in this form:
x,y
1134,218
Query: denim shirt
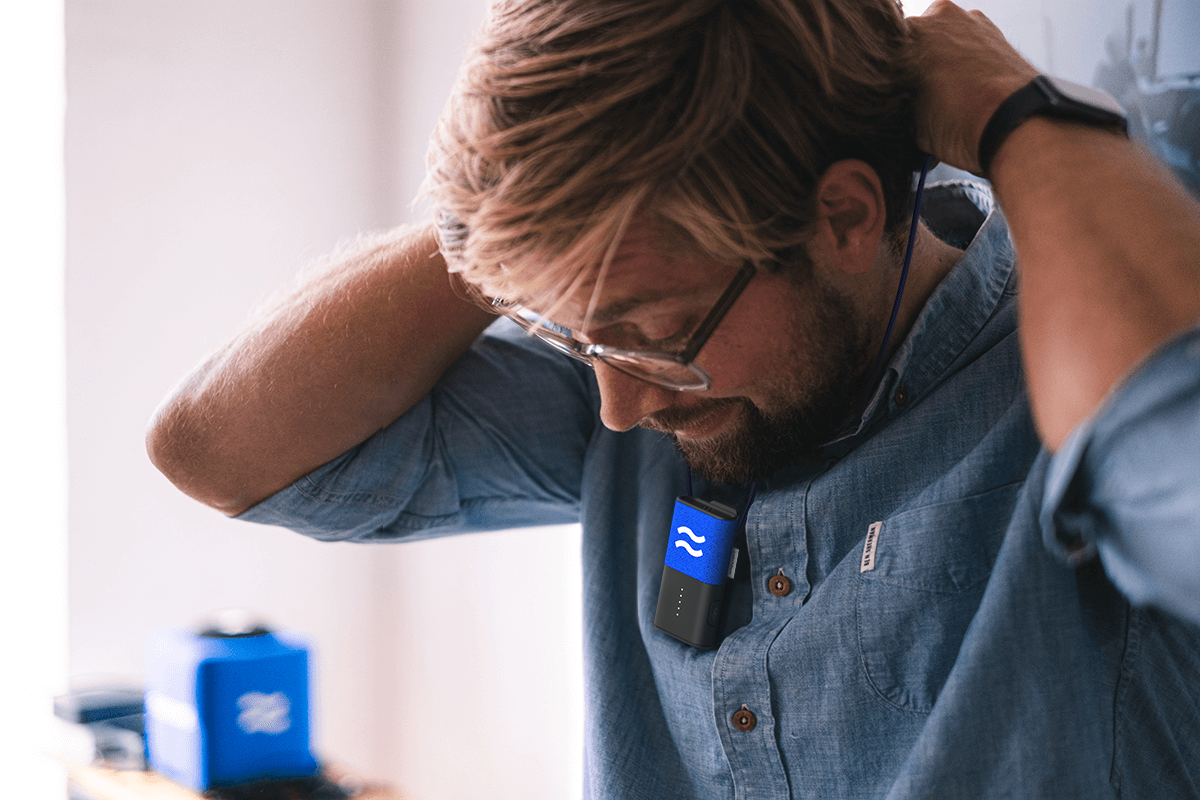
x,y
983,649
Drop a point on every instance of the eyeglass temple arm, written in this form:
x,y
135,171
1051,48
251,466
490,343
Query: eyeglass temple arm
x,y
718,312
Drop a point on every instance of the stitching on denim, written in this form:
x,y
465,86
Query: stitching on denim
x,y
862,659
1124,677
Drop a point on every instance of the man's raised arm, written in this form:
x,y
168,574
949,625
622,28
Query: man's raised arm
x,y
322,371
1108,244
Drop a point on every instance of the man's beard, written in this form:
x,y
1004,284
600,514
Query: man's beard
x,y
808,404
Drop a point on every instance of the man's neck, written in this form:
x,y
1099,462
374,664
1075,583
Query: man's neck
x,y
932,259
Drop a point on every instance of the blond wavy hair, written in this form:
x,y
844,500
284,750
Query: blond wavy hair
x,y
714,118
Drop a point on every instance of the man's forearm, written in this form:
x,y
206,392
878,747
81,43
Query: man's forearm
x,y
1109,253
343,357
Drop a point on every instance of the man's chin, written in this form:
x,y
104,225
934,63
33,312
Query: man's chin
x,y
734,454
751,446
797,412
729,465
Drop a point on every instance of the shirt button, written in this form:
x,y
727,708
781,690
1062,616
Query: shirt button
x,y
780,585
901,396
744,719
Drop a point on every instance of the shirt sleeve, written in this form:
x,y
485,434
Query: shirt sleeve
x,y
499,442
1126,483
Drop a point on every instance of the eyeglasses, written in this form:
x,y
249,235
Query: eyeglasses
x,y
675,371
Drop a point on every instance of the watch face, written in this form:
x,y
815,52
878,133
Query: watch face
x,y
1086,96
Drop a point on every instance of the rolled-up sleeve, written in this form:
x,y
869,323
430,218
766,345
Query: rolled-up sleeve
x,y
1126,483
498,443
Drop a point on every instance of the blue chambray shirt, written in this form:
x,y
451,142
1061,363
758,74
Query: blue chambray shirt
x,y
979,650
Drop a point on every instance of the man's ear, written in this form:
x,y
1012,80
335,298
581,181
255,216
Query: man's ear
x,y
850,216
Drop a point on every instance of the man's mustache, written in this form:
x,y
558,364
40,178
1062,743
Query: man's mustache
x,y
669,420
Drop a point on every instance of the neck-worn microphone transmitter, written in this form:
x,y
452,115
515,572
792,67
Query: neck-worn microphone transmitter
x,y
694,571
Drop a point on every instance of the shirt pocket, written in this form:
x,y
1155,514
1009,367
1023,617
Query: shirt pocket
x,y
931,566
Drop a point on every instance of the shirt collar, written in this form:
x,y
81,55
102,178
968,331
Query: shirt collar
x,y
959,212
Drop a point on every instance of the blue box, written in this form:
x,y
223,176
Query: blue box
x,y
224,711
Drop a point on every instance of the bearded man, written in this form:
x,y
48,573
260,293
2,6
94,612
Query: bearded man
x,y
969,545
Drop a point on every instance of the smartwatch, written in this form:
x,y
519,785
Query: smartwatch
x,y
1051,97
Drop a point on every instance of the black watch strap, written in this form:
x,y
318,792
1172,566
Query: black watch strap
x,y
1051,97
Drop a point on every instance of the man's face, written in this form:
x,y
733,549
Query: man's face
x,y
787,361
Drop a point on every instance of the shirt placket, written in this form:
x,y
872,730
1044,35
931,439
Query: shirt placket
x,y
743,707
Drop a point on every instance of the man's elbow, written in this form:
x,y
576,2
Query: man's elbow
x,y
182,451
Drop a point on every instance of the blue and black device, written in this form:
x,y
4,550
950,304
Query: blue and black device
x,y
694,571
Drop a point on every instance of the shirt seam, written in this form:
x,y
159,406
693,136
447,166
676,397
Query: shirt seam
x,y
1124,676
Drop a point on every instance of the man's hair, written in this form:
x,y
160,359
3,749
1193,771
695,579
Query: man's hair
x,y
714,119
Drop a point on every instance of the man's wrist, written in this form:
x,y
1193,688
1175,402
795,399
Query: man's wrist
x,y
1054,98
1043,143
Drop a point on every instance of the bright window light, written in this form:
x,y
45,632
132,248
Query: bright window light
x,y
915,8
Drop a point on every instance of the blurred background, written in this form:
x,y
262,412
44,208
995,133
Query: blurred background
x,y
212,150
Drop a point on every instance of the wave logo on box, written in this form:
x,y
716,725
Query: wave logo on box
x,y
264,713
694,538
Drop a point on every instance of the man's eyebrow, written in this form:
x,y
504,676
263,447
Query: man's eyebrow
x,y
613,311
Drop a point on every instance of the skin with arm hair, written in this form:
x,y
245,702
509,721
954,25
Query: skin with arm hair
x,y
342,357
1108,243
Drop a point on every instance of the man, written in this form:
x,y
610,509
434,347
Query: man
x,y
934,605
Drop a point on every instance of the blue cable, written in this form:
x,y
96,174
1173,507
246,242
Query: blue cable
x,y
912,240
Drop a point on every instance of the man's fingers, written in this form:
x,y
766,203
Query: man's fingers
x,y
967,68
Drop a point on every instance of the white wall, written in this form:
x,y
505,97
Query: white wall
x,y
212,148
33,430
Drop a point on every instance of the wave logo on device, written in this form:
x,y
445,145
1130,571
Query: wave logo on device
x,y
697,539
264,713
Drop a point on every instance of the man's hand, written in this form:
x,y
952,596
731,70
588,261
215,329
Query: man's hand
x,y
1107,242
968,69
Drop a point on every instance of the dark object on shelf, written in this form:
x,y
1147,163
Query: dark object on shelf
x,y
115,718
102,705
315,788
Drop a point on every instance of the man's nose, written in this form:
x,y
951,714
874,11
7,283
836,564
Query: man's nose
x,y
625,400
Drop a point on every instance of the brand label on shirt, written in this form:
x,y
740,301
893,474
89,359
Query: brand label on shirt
x,y
868,559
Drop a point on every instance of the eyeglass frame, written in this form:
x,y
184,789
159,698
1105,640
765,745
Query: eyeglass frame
x,y
590,353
